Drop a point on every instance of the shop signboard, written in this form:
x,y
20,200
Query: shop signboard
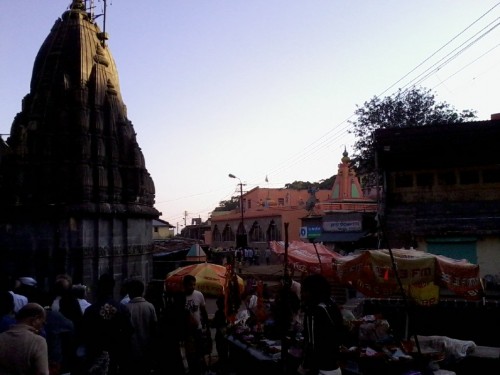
x,y
342,226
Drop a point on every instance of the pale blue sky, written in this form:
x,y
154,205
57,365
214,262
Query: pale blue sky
x,y
262,87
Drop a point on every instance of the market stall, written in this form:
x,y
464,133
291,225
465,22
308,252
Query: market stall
x,y
211,278
373,272
409,276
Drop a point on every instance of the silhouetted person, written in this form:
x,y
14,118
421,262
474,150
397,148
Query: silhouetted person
x,y
323,327
220,323
196,320
107,329
7,318
23,350
144,322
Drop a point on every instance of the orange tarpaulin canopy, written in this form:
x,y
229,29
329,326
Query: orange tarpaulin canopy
x,y
210,278
371,271
303,256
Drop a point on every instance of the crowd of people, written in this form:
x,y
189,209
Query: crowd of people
x,y
242,256
62,332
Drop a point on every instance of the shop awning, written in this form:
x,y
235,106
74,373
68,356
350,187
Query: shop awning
x,y
340,236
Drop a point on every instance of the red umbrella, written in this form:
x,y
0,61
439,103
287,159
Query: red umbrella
x,y
210,278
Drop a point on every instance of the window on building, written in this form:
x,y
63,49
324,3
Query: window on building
x,y
256,233
446,178
249,203
281,201
156,229
227,233
425,179
491,176
216,234
273,232
469,177
404,180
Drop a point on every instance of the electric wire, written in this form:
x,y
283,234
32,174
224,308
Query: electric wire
x,y
466,66
450,57
321,141
439,49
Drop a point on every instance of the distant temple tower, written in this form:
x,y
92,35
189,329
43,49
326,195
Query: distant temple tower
x,y
346,184
75,195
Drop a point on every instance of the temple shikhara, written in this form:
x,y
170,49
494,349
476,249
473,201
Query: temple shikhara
x,y
75,194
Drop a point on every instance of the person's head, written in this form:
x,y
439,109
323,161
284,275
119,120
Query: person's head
x,y
106,285
32,314
220,302
315,289
135,288
189,284
27,286
286,281
79,291
26,281
63,284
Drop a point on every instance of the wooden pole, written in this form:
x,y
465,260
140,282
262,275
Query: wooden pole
x,y
284,338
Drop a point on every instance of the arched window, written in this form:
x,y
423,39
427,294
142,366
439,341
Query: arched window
x,y
227,233
256,233
216,234
273,232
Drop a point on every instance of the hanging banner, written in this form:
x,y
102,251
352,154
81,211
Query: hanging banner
x,y
459,276
424,294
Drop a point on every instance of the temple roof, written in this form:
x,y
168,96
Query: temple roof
x,y
72,142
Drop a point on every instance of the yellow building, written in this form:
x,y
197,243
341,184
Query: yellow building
x,y
162,230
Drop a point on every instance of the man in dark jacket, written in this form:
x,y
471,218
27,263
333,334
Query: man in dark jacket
x,y
323,328
107,330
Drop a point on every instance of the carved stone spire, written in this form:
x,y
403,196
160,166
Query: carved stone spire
x,y
73,143
75,194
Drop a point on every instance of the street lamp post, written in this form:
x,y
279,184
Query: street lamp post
x,y
241,238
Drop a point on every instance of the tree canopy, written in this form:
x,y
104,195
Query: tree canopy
x,y
229,205
407,108
304,185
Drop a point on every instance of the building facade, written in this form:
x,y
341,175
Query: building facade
x,y
442,190
268,215
162,230
341,217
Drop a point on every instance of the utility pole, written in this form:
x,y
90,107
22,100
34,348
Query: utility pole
x,y
241,240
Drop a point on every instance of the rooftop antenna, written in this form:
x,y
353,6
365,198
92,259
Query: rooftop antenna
x,y
90,8
104,24
102,36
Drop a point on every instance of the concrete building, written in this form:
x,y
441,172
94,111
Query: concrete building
x,y
319,215
442,190
265,213
162,230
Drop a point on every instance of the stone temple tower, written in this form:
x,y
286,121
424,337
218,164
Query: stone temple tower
x,y
75,195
